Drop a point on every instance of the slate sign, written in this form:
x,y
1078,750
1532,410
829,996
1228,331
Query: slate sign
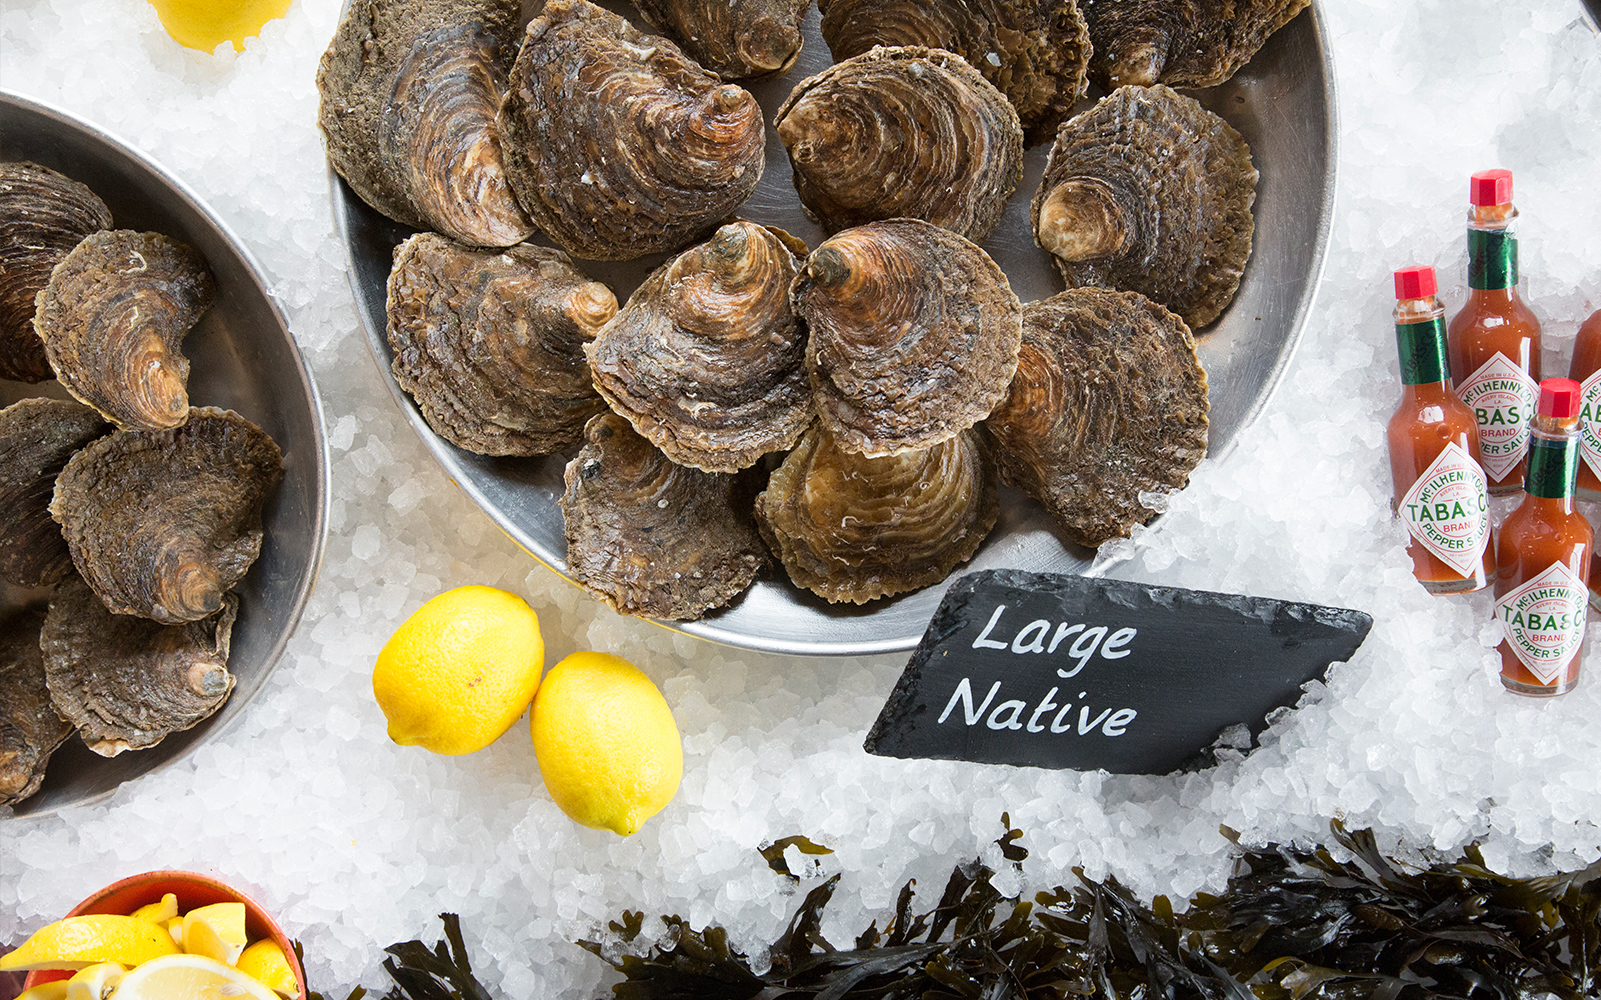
x,y
1048,670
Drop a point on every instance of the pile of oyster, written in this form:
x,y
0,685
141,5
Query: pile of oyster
x,y
141,511
850,408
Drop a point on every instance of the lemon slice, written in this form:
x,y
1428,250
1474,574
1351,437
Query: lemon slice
x,y
189,977
265,962
159,913
95,982
79,942
216,931
46,991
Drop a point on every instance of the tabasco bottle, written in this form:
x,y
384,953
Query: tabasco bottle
x,y
1495,339
1543,557
1586,370
1434,451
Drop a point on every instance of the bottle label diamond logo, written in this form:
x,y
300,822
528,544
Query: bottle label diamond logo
x,y
1447,509
1502,396
1544,621
1590,422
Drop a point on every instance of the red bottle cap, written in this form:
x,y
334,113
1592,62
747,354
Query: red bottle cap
x,y
1415,282
1559,397
1490,187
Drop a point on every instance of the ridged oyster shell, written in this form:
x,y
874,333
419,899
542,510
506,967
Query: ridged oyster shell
x,y
1109,402
491,343
37,437
736,39
853,529
1150,192
43,215
904,132
30,729
618,144
1194,43
162,523
707,360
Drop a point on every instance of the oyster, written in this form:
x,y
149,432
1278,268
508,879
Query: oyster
x,y
1109,402
1197,43
850,528
30,729
651,537
162,523
618,144
127,683
903,133
43,215
410,91
707,361
37,436
113,319
491,343
913,335
1035,51
1150,192
736,39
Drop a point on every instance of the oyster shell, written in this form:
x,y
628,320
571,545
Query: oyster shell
x,y
30,729
1035,51
162,523
618,144
1109,402
736,39
903,132
1196,43
851,528
127,683
1150,192
651,537
37,436
707,361
43,215
113,319
913,335
410,91
491,343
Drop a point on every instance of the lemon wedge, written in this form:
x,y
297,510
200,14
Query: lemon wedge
x,y
216,931
46,991
79,942
189,977
159,913
175,928
205,24
265,962
96,982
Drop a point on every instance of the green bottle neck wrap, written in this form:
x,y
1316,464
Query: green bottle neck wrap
x,y
1492,259
1422,350
1553,464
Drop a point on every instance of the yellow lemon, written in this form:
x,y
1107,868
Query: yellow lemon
x,y
460,670
95,982
159,913
56,990
206,24
216,931
266,963
189,977
606,741
79,942
175,928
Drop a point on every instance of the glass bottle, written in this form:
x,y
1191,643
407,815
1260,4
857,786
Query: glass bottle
x,y
1440,490
1586,370
1495,338
1543,557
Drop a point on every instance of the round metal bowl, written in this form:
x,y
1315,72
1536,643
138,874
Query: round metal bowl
x,y
1282,102
244,359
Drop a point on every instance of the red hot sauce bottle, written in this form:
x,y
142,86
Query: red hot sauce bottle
x,y
1434,451
1495,339
1543,558
1586,370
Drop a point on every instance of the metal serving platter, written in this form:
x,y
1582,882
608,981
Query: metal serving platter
x,y
1283,102
243,358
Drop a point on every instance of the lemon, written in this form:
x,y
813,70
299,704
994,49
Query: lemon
x,y
95,982
216,931
56,990
79,942
205,24
159,913
460,670
606,741
266,963
189,977
175,928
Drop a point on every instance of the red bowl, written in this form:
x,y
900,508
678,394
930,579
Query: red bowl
x,y
192,890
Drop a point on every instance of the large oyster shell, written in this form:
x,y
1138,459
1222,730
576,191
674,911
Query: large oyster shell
x,y
30,729
43,215
1109,402
619,145
113,319
651,537
913,335
127,683
1192,43
851,528
162,523
410,91
37,436
1035,51
491,343
736,39
904,132
1150,192
707,360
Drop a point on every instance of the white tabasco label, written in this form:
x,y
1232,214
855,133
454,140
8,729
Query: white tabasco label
x,y
1544,621
1590,422
1501,395
1447,509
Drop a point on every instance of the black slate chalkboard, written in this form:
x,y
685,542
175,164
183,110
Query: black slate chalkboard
x,y
1061,671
